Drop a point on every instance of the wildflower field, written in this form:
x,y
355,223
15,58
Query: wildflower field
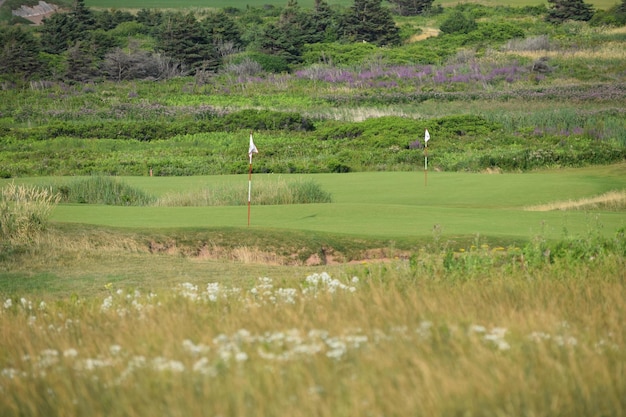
x,y
393,339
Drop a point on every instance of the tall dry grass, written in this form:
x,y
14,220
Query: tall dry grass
x,y
612,200
24,212
262,192
374,340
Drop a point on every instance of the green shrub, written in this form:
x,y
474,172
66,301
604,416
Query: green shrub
x,y
270,63
102,190
458,22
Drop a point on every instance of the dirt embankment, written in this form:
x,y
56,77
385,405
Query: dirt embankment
x,y
35,13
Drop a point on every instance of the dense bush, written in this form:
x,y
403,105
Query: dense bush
x,y
151,130
101,190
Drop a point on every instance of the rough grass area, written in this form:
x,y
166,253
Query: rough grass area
x,y
262,193
400,338
613,200
24,212
107,190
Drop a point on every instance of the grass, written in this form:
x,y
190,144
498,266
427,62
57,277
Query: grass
x,y
168,309
393,204
380,339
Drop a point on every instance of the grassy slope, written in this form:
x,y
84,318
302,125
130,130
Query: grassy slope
x,y
388,205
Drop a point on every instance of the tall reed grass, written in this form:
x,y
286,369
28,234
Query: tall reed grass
x,y
263,193
24,212
100,189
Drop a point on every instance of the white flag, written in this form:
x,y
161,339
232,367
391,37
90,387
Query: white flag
x,y
426,136
252,149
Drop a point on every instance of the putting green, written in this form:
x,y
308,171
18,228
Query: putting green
x,y
389,204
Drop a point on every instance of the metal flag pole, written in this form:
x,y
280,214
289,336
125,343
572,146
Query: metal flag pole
x,y
252,149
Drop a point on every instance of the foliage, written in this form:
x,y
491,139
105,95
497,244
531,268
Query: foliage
x,y
101,190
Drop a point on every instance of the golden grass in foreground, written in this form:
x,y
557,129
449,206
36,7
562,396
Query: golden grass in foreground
x,y
613,200
374,340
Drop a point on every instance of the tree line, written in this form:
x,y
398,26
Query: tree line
x,y
86,45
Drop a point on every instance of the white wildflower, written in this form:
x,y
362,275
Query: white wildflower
x,y
195,349
165,365
475,328
115,350
70,353
212,291
107,303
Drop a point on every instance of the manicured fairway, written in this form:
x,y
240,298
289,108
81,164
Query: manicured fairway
x,y
391,204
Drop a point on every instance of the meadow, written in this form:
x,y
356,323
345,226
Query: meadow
x,y
242,4
490,285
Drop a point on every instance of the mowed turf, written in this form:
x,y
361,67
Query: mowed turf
x,y
387,204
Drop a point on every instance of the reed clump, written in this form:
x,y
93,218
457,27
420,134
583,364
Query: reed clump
x,y
24,212
263,193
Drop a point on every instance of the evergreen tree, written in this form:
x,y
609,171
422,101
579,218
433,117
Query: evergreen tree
x,y
107,20
563,10
411,7
83,15
223,30
81,64
368,21
185,40
19,52
286,37
322,23
58,33
150,18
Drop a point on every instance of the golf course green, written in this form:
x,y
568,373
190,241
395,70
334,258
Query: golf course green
x,y
387,204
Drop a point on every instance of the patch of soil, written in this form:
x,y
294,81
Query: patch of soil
x,y
253,255
36,13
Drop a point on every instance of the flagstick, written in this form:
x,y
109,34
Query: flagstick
x,y
426,164
249,187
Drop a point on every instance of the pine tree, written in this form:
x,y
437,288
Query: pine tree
x,y
58,33
368,21
222,29
411,7
19,52
563,10
185,40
